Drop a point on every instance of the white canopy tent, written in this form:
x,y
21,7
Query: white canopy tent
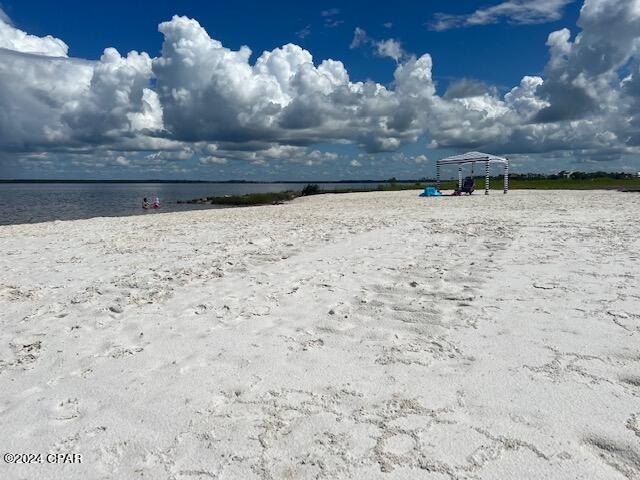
x,y
472,158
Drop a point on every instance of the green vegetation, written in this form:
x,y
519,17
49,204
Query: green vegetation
x,y
606,183
279,197
545,183
516,182
542,183
575,181
378,188
311,189
270,198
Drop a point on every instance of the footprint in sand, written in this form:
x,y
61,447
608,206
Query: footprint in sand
x,y
311,344
201,309
399,444
68,409
25,352
632,380
618,455
625,320
633,424
14,294
119,351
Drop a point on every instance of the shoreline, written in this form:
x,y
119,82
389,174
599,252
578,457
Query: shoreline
x,y
207,207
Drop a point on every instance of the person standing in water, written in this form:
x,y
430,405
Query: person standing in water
x,y
156,203
145,203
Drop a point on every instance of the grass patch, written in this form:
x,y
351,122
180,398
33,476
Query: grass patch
x,y
247,200
272,198
599,183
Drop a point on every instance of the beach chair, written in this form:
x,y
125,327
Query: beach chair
x,y
468,186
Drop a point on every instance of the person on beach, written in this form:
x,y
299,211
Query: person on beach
x,y
156,203
145,203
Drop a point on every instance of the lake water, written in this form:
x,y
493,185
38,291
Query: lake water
x,y
42,202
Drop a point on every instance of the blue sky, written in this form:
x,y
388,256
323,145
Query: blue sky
x,y
416,82
89,27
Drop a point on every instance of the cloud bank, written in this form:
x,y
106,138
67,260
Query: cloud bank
x,y
513,11
201,100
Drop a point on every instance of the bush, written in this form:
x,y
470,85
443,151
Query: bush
x,y
310,189
251,199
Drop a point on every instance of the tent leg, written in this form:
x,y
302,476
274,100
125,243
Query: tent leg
x,y
437,176
486,178
459,178
506,178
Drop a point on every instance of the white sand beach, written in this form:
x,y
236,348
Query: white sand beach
x,y
369,335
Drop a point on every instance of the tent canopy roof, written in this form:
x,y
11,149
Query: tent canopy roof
x,y
471,157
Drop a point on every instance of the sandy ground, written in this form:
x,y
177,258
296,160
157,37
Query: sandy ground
x,y
375,335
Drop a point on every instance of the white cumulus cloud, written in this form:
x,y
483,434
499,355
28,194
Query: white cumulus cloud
x,y
14,39
200,100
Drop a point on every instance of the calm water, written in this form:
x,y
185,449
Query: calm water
x,y
42,202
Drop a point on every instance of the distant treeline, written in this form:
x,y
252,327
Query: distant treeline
x,y
303,182
573,175
522,176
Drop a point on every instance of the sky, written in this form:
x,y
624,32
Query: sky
x,y
216,90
